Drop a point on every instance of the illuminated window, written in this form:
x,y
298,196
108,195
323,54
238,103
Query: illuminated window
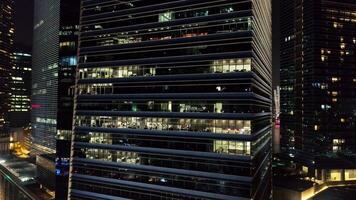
x,y
334,93
325,107
232,147
342,45
68,61
67,44
231,65
342,120
316,127
350,174
336,149
227,10
338,141
166,16
335,79
335,175
324,58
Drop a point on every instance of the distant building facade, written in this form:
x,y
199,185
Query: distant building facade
x,y
20,99
6,45
318,81
54,64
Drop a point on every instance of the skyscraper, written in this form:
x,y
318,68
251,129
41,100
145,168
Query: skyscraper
x,y
173,100
20,108
45,58
6,42
19,115
318,80
54,63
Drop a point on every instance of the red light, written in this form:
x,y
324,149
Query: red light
x,y
35,106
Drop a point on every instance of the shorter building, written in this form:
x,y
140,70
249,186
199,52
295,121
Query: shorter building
x,y
292,188
318,80
45,168
20,141
17,176
6,42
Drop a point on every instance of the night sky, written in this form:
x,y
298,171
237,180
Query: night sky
x,y
24,24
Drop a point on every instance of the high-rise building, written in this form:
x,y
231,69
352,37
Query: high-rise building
x,y
19,115
69,28
318,80
173,100
54,63
20,107
6,43
45,58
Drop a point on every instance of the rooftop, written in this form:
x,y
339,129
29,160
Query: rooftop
x,y
292,183
336,193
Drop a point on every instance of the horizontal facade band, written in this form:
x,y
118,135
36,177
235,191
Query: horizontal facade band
x,y
177,96
168,59
149,187
93,195
178,22
241,35
145,9
237,116
164,170
235,76
160,151
180,134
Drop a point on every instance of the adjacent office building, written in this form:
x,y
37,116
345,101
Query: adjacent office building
x,y
173,100
45,58
20,83
19,115
6,42
318,81
54,63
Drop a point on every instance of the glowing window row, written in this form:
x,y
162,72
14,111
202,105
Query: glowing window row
x,y
218,66
169,124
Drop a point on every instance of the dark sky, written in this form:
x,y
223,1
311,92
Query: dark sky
x,y
23,22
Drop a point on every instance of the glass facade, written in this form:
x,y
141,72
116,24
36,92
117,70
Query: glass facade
x,y
173,100
54,63
20,100
68,45
318,73
45,75
6,43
